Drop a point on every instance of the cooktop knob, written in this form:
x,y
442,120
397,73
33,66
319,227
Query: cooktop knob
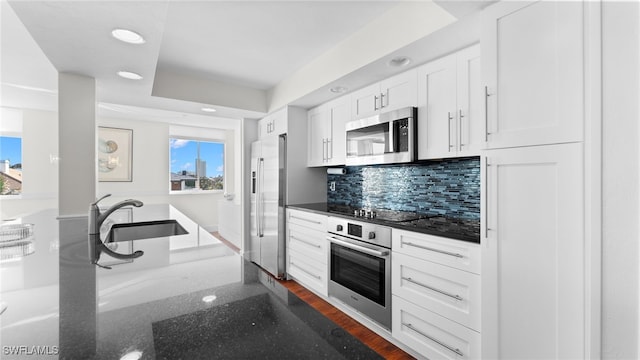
x,y
372,235
339,228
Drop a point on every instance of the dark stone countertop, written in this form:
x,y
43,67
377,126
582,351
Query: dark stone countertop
x,y
458,229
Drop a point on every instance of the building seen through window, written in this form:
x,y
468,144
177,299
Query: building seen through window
x,y
10,165
196,165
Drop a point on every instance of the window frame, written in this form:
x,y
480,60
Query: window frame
x,y
224,165
19,135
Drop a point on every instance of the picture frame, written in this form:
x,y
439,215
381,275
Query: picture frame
x,y
115,154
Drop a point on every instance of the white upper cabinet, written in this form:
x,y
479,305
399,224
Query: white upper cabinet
x,y
273,124
393,93
450,106
533,66
327,136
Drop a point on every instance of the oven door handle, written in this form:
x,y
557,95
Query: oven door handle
x,y
366,250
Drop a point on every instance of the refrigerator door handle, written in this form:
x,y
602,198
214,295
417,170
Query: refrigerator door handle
x,y
260,203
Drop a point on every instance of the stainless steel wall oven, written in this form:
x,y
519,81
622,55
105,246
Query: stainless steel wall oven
x,y
360,267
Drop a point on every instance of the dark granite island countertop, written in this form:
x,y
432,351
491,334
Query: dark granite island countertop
x,y
192,298
458,229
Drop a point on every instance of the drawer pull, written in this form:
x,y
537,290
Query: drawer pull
x,y
432,249
306,271
305,241
307,220
457,297
450,348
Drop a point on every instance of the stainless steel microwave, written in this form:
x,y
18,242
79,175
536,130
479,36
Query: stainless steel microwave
x,y
386,138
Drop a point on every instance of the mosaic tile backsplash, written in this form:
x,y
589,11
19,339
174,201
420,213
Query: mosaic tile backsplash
x,y
449,187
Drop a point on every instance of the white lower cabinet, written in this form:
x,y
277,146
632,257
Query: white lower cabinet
x,y
432,335
436,302
307,253
449,292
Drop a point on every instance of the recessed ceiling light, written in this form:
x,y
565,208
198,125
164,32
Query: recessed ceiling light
x,y
132,355
399,61
129,75
338,89
128,36
208,109
209,298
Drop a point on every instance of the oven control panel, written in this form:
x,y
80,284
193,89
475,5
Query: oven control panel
x,y
372,233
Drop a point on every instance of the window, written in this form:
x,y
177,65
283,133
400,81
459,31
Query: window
x,y
196,165
10,165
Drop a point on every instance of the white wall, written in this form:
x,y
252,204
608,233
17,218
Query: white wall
x,y
40,167
150,179
621,180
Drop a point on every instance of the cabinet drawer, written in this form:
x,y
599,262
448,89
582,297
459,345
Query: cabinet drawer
x,y
308,272
311,243
432,335
452,293
307,219
455,253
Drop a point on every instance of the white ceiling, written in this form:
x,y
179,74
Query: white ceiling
x,y
252,46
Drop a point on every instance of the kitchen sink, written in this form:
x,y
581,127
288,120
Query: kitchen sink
x,y
144,230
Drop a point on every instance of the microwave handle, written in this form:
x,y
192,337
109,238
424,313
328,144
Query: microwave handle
x,y
393,140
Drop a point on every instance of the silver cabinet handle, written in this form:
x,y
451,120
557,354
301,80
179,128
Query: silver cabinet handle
x,y
486,197
306,271
324,143
303,219
457,297
449,118
450,348
375,102
432,249
329,149
305,241
486,113
460,129
382,105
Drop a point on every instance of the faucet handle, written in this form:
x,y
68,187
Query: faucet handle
x,y
97,201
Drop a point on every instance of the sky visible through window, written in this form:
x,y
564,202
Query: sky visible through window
x,y
184,154
11,149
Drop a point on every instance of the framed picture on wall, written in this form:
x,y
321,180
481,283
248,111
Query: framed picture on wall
x,y
114,154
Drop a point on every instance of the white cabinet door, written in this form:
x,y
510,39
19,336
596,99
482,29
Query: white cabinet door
x,y
450,106
317,146
533,255
393,93
365,102
437,108
399,91
339,112
533,66
470,116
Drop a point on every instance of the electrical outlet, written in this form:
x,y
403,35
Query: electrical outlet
x,y
332,186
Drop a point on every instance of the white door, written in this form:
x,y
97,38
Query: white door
x,y
533,279
532,58
437,108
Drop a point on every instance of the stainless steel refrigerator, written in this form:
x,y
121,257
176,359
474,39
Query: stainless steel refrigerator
x,y
268,191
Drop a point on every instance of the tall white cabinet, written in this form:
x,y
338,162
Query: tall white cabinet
x,y
533,240
533,71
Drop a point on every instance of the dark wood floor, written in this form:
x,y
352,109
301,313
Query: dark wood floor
x,y
359,331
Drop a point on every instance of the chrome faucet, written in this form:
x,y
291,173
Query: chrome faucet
x,y
96,219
